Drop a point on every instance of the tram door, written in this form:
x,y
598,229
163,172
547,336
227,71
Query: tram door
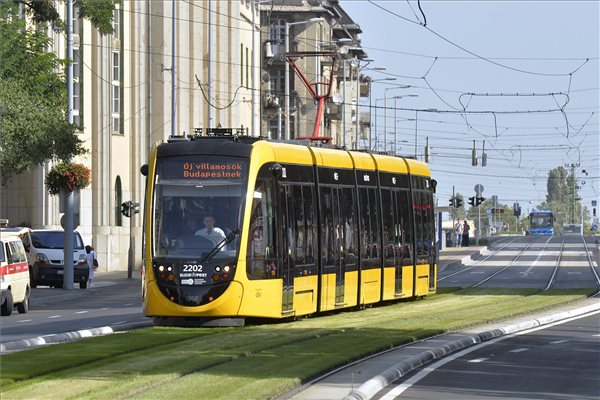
x,y
286,245
337,240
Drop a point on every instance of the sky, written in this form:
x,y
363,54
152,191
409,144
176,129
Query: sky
x,y
518,77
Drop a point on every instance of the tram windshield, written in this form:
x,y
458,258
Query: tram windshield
x,y
541,220
198,203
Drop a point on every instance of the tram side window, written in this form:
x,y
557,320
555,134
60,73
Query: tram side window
x,y
369,217
262,254
348,207
329,252
404,227
389,242
423,226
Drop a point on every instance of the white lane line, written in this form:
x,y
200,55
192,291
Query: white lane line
x,y
120,322
129,304
561,341
81,312
398,390
595,335
518,350
104,308
478,360
24,320
54,316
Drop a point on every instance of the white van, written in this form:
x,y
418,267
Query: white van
x,y
45,253
14,275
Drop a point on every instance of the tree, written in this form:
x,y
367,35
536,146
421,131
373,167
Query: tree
x,y
563,198
33,103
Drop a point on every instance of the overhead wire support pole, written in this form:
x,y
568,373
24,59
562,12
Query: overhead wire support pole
x,y
312,87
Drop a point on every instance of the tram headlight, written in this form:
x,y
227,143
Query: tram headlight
x,y
161,268
218,269
226,268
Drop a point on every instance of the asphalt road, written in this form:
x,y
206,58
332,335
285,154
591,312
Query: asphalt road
x,y
114,301
528,262
560,361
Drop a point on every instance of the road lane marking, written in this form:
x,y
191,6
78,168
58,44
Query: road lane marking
x,y
560,341
25,320
129,304
401,388
81,312
54,316
478,360
518,350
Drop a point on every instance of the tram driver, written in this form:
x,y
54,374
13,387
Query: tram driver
x,y
210,231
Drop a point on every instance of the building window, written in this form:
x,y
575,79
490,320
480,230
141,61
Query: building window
x,y
77,88
277,85
241,65
247,69
118,201
117,23
277,35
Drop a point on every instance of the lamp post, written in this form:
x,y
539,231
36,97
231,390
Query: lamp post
x,y
287,70
371,81
395,131
385,111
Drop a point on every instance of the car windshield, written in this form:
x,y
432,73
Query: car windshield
x,y
198,203
54,240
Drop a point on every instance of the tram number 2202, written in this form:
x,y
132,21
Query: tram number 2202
x,y
192,268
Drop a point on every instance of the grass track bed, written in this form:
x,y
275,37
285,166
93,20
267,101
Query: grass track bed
x,y
254,362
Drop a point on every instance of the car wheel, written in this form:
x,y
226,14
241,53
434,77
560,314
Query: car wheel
x,y
7,306
23,307
83,285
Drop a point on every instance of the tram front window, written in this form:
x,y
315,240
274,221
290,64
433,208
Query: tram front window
x,y
541,221
197,205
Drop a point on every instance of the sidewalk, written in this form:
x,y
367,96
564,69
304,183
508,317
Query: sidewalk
x,y
453,256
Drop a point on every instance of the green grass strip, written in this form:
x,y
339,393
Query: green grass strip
x,y
254,362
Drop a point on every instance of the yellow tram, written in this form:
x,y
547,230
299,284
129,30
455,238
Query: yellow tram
x,y
239,227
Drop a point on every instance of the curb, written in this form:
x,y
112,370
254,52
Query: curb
x,y
374,385
70,336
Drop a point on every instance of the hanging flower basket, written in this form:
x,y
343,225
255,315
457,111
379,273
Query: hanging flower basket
x,y
69,177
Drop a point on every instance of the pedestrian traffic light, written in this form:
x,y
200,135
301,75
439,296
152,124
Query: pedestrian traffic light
x,y
459,202
472,201
125,209
479,200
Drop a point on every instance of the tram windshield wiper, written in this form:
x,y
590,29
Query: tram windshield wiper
x,y
226,240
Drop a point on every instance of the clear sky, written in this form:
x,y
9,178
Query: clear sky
x,y
546,51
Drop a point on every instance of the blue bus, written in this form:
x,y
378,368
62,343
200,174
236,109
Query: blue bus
x,y
541,222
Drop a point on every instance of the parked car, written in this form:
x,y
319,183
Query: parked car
x,y
14,275
45,254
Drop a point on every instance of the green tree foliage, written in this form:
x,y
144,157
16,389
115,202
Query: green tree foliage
x,y
99,12
33,103
562,196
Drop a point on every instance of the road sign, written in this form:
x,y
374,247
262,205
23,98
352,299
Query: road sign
x,y
478,189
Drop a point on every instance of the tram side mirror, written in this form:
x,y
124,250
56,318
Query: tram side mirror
x,y
277,171
144,169
433,185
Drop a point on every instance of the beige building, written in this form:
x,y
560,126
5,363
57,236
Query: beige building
x,y
122,102
224,73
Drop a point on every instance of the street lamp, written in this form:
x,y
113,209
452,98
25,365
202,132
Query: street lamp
x,y
371,81
385,109
395,132
287,70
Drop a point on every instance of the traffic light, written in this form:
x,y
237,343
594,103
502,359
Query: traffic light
x,y
479,200
125,209
135,207
472,201
459,202
452,202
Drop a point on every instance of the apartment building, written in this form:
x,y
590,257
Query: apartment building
x,y
218,59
